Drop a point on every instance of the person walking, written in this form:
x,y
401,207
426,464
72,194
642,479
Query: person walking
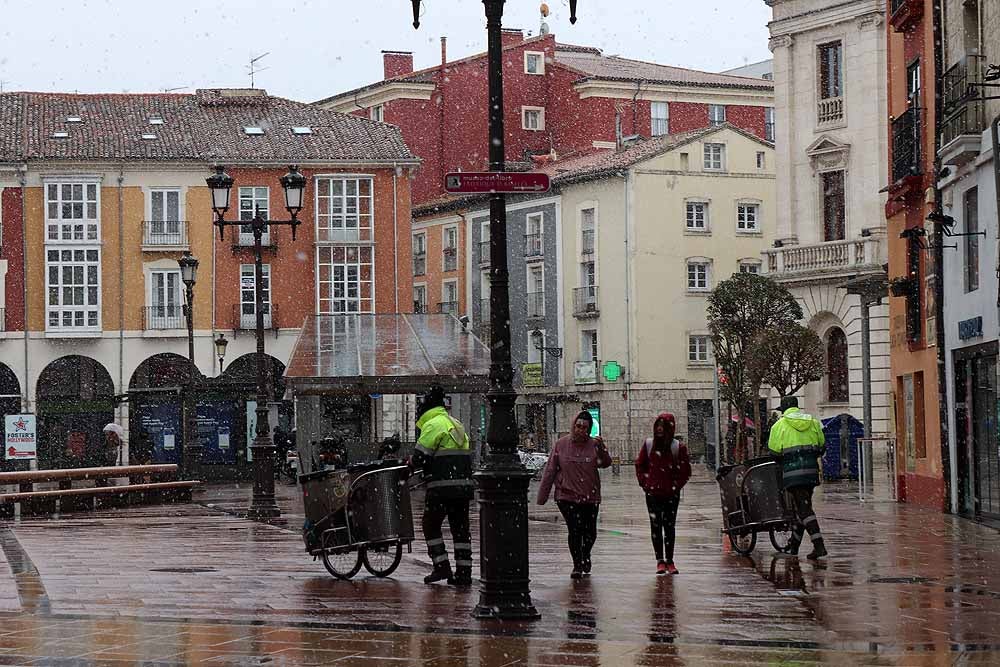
x,y
798,442
663,467
573,470
442,453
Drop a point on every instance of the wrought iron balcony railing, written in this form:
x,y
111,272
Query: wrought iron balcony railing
x,y
169,234
245,317
585,303
906,139
164,316
963,108
532,245
448,307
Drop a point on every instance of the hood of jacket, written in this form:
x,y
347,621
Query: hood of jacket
x,y
798,420
669,429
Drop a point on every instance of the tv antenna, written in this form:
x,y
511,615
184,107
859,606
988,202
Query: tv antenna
x,y
252,66
3,82
171,90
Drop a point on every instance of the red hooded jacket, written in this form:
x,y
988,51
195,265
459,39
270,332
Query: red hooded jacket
x,y
663,466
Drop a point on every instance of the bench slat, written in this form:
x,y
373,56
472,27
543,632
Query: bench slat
x,y
95,491
85,473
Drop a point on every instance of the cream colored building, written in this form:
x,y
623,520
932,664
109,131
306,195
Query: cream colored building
x,y
831,143
647,232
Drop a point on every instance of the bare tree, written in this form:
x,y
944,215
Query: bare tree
x,y
787,358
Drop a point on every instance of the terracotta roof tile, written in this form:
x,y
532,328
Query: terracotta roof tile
x,y
598,66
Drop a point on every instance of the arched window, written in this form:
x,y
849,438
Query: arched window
x,y
837,376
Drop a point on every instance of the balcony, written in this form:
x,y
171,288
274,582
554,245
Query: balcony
x,y
587,242
420,308
963,111
420,264
245,318
830,111
244,239
532,246
536,305
906,140
164,234
904,14
448,308
450,260
163,317
484,253
825,260
585,302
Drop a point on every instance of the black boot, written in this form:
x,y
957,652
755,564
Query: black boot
x,y
441,572
819,550
462,578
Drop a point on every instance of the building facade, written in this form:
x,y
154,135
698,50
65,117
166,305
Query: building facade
x,y
831,141
970,34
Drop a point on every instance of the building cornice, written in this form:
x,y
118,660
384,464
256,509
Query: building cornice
x,y
397,90
866,12
658,92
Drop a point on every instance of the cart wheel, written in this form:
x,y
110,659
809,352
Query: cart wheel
x,y
781,539
744,544
382,561
341,565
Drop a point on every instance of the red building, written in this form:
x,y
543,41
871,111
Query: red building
x,y
562,98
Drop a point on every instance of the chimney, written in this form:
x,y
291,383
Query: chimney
x,y
509,36
397,63
444,51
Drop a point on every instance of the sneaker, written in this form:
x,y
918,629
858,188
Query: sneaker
x,y
671,568
586,567
661,567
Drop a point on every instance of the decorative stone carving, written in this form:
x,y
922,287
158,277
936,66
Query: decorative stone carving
x,y
779,42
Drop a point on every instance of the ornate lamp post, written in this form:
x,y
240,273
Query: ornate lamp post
x,y
189,276
262,505
503,480
220,348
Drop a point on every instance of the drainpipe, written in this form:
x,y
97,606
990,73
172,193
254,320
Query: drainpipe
x,y
395,238
25,388
628,306
121,286
215,369
995,135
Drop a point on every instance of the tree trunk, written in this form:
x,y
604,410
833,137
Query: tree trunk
x,y
757,442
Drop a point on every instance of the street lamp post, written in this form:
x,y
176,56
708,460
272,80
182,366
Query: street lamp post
x,y
503,480
220,348
189,276
262,504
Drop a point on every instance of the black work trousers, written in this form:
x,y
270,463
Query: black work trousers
x,y
456,510
805,517
581,520
662,524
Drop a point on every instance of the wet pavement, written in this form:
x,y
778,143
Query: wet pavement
x,y
196,584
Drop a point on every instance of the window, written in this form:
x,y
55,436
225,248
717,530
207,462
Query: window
x,y
346,282
74,288
971,213
536,340
533,118
715,157
377,112
587,231
750,266
769,123
761,160
837,387
660,114
716,114
449,249
344,209
419,254
747,216
697,216
588,345
698,349
449,297
588,274
71,213
536,291
248,303
165,215
913,84
534,62
533,245
165,300
253,200
420,298
697,275
833,206
830,70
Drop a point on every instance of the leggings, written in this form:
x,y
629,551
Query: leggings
x,y
662,523
581,520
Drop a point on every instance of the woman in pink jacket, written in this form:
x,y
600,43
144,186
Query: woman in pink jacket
x,y
573,471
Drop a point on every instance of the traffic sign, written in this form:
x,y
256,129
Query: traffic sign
x,y
511,182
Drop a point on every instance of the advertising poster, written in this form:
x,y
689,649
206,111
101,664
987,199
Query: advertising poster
x,y
216,419
20,437
162,424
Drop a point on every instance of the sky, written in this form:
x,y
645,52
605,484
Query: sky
x,y
317,48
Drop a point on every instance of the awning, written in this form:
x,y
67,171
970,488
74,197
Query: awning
x,y
396,353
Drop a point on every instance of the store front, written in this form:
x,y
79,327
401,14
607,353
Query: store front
x,y
977,436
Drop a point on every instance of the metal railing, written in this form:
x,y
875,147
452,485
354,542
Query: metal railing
x,y
484,253
533,245
245,317
906,140
585,303
963,109
169,316
448,307
166,233
420,264
536,304
450,262
419,307
587,242
830,110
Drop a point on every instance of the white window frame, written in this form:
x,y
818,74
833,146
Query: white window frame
x,y
422,289
659,125
84,316
446,233
590,345
535,356
172,316
248,308
541,119
755,264
63,199
534,270
706,216
593,229
451,283
698,262
259,198
346,216
743,217
541,62
165,226
377,113
708,156
699,349
761,160
534,224
358,291
713,114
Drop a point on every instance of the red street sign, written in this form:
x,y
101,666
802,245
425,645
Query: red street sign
x,y
495,181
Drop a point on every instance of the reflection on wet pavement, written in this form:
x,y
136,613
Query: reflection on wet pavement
x,y
195,584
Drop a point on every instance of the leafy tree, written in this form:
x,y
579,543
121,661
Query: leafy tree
x,y
787,358
739,309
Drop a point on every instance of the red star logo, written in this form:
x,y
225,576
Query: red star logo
x,y
20,425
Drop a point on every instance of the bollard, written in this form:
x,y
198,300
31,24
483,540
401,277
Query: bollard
x,y
616,466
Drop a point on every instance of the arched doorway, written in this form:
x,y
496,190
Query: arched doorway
x,y
76,399
155,404
240,378
837,372
10,403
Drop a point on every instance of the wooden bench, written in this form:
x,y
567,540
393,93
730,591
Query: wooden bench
x,y
148,484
